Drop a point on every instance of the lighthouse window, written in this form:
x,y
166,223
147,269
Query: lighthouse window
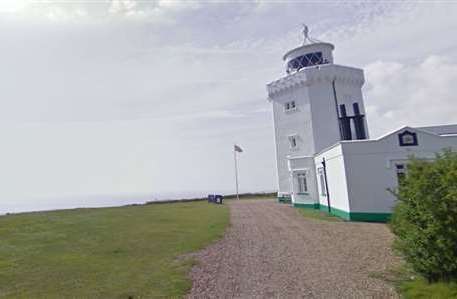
x,y
293,141
302,184
289,106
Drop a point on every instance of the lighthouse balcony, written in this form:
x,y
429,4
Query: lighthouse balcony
x,y
314,74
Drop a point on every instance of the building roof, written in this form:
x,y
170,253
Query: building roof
x,y
439,131
308,41
306,48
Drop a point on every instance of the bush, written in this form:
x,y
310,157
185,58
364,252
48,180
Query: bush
x,y
425,217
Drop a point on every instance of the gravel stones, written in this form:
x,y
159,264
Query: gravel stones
x,y
270,251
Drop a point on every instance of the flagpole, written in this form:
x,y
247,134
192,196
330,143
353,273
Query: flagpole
x,y
236,173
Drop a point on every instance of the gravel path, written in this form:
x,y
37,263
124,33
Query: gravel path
x,y
272,251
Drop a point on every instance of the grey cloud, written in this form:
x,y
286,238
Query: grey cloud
x,y
102,103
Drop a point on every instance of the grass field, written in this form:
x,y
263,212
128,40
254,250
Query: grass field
x,y
420,289
107,252
412,286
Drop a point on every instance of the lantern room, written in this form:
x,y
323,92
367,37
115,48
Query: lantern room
x,y
311,53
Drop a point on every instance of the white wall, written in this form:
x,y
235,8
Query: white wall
x,y
288,123
348,87
336,178
315,120
325,120
370,167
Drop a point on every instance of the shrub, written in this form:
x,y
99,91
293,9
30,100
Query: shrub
x,y
425,217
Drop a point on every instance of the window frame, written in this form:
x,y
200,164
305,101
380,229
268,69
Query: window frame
x,y
293,139
403,138
322,183
290,106
302,183
400,171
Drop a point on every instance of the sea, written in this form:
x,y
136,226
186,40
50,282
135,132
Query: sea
x,y
89,201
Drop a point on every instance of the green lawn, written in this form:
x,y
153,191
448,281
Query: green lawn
x,y
420,289
410,285
107,252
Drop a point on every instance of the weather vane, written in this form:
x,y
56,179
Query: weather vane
x,y
306,38
305,33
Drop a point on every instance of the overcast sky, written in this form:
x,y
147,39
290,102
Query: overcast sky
x,y
147,97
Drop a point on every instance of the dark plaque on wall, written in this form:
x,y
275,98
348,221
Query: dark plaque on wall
x,y
407,138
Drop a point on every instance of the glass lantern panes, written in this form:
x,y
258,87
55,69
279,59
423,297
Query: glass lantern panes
x,y
306,60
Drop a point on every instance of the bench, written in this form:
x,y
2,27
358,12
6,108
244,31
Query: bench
x,y
215,198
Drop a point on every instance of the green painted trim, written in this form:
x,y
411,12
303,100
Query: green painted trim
x,y
306,205
303,205
284,199
370,217
337,212
351,216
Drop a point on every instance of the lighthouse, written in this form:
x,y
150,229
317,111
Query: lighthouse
x,y
325,159
316,104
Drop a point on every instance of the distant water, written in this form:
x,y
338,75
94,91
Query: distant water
x,y
43,204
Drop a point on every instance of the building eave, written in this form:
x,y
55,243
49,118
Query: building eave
x,y
317,73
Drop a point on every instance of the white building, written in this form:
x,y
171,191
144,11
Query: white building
x,y
325,159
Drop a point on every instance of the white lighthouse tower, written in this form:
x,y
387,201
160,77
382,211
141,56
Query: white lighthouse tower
x,y
316,104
